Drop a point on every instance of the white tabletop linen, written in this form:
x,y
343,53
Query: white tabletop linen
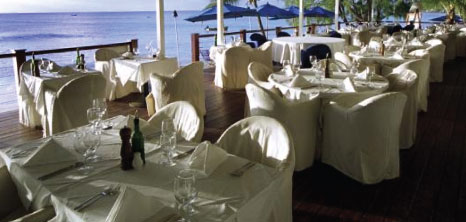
x,y
32,90
289,48
222,197
216,50
390,60
330,87
139,69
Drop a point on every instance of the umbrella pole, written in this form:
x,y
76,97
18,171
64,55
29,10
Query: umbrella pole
x,y
250,26
176,36
267,33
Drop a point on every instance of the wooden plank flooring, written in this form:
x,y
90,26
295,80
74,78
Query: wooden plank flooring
x,y
432,186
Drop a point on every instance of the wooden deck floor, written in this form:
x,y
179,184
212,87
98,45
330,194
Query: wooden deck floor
x,y
432,186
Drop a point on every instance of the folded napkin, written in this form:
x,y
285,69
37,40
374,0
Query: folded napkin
x,y
288,70
362,75
127,55
416,42
391,41
66,70
49,152
397,55
300,82
129,122
348,85
132,205
206,158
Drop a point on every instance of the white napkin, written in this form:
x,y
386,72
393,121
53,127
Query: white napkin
x,y
49,152
300,82
129,122
397,55
127,55
348,85
362,75
416,42
391,41
132,205
66,70
206,158
288,70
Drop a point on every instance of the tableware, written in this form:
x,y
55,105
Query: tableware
x,y
184,154
168,128
101,104
91,141
110,191
78,145
185,192
93,116
240,171
168,145
61,170
313,61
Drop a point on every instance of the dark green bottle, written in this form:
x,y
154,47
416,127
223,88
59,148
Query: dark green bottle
x,y
78,57
137,140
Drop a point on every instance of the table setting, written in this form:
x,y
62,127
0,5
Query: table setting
x,y
219,49
80,172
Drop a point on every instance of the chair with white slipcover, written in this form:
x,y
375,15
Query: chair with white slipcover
x,y
361,136
450,46
461,44
114,89
186,84
343,58
263,54
301,118
259,75
360,38
264,140
188,123
437,58
67,109
406,82
12,209
231,71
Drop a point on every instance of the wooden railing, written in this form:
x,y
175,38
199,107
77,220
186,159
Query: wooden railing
x,y
195,45
19,55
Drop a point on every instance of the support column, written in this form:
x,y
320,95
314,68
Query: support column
x,y
337,14
220,36
160,28
301,17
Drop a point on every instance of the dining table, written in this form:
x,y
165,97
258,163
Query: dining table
x,y
147,190
32,90
289,48
389,59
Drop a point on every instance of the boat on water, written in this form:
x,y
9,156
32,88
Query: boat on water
x,y
212,29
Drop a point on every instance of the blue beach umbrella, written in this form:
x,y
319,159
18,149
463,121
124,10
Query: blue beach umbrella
x,y
443,18
320,12
229,11
268,10
294,10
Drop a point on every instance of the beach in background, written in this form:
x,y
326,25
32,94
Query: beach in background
x,y
37,31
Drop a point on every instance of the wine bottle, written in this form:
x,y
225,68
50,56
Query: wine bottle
x,y
34,67
327,67
78,57
82,62
137,139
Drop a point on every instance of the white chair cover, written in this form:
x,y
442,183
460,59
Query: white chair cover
x,y
432,42
361,137
406,83
188,123
264,140
68,108
461,44
450,43
186,84
259,75
421,68
114,89
351,48
437,55
28,114
263,54
299,117
343,58
231,68
361,38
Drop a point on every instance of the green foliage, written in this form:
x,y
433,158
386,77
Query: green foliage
x,y
442,5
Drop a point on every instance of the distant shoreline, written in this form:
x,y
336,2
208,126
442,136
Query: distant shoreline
x,y
9,13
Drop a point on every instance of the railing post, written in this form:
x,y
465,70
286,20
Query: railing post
x,y
296,31
278,29
313,28
18,60
133,45
242,35
195,47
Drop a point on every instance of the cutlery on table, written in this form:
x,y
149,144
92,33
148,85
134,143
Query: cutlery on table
x,y
61,170
240,171
184,154
110,191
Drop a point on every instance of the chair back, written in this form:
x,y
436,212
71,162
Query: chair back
x,y
433,42
263,54
361,38
409,27
335,34
231,71
259,75
258,38
283,34
260,139
320,51
186,84
437,59
343,58
69,110
188,124
105,54
396,28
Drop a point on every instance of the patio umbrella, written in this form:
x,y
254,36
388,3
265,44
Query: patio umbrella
x,y
229,11
268,10
320,12
294,10
443,18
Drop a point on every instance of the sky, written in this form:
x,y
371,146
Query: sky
x,y
12,6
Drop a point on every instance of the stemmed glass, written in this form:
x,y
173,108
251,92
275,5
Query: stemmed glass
x,y
93,116
91,141
168,145
78,144
354,70
101,104
168,128
44,64
185,193
313,61
295,67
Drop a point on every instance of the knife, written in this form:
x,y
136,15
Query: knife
x,y
182,155
60,171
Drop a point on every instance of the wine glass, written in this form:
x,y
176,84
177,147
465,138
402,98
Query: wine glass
x,y
168,145
93,116
295,67
44,64
91,141
150,49
354,70
78,145
168,128
313,61
101,104
185,192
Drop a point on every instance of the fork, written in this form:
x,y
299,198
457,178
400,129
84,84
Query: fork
x,y
240,171
110,191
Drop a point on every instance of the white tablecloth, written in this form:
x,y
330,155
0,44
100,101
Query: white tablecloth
x,y
139,69
378,59
222,197
289,48
31,95
330,87
215,50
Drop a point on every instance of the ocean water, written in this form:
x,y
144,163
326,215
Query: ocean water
x,y
36,31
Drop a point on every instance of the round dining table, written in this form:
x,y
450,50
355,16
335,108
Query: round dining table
x,y
289,48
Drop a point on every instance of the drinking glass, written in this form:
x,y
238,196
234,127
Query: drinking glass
x,y
93,116
295,67
44,64
354,70
168,128
313,61
185,192
78,145
285,63
370,74
168,145
91,141
101,104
